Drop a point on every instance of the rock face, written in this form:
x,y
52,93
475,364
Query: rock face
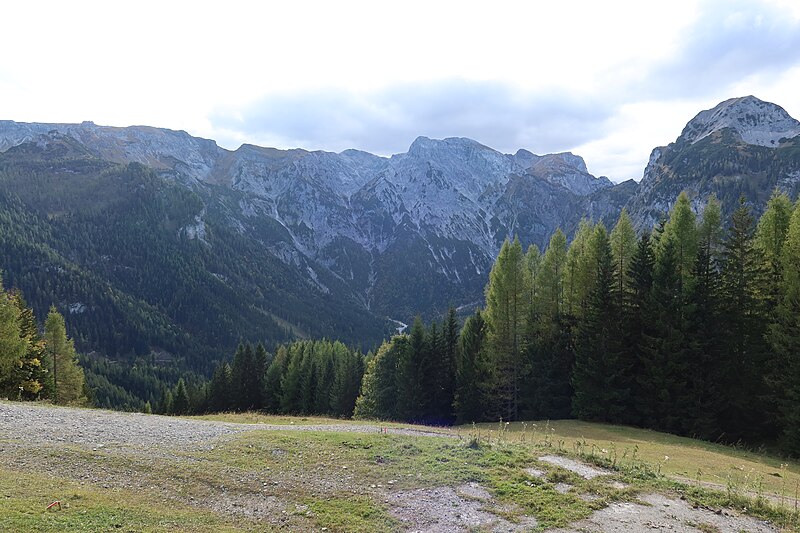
x,y
410,233
754,122
742,147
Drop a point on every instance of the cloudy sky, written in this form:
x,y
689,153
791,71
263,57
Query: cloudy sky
x,y
607,80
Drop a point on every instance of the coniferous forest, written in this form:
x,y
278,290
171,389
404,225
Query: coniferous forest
x,y
691,328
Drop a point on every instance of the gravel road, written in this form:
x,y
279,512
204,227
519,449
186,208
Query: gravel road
x,y
90,428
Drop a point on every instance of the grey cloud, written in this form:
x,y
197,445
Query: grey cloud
x,y
386,121
730,41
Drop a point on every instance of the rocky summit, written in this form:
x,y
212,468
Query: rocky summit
x,y
388,236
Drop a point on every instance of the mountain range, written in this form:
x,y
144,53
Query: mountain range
x,y
157,242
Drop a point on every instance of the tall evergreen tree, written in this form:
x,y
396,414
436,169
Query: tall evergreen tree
x,y
784,336
272,391
180,399
505,318
662,352
623,244
639,317
579,270
601,378
471,370
379,396
415,375
682,227
552,276
67,375
12,344
745,327
219,389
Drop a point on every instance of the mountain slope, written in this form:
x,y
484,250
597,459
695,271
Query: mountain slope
x,y
743,146
181,247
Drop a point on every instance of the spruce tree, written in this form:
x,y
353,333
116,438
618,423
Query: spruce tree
x,y
180,399
219,389
414,375
638,315
471,371
380,396
745,326
272,391
662,353
601,378
784,336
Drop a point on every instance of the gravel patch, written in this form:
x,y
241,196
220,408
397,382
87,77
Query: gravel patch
x,y
582,469
443,510
660,513
535,472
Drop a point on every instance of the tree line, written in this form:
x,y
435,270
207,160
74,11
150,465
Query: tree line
x,y
36,365
302,378
691,328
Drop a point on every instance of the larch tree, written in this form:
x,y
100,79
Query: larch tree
x,y
68,377
623,244
601,377
682,227
505,317
12,343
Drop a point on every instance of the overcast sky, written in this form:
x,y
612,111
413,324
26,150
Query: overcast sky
x,y
606,80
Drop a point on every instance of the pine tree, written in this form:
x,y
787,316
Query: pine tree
x,y
448,371
703,339
245,379
67,375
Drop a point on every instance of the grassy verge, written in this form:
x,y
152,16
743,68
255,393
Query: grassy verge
x,y
689,460
24,498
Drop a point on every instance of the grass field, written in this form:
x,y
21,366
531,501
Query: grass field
x,y
689,460
345,481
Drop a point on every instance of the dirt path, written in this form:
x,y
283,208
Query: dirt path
x,y
116,450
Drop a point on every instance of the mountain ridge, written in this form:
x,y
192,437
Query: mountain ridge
x,y
392,236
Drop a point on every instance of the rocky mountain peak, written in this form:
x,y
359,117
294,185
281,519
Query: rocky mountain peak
x,y
754,121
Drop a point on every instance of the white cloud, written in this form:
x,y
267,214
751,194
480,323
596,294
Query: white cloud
x,y
609,80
